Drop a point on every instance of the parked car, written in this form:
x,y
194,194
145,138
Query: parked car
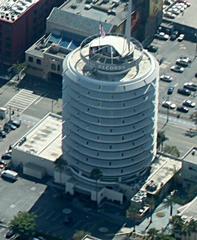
x,y
16,122
182,62
6,156
152,48
177,69
180,37
2,134
189,103
182,109
184,91
168,104
173,37
187,59
169,15
166,78
170,90
9,233
2,164
6,128
12,126
162,36
190,86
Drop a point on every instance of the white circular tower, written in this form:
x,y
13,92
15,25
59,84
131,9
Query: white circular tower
x,y
110,92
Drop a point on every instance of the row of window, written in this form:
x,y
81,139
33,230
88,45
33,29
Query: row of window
x,y
54,67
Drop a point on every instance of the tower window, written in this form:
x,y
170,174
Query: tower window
x,y
122,170
97,153
122,154
122,137
110,130
109,163
87,143
110,147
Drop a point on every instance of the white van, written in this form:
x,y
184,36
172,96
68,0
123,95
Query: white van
x,y
9,174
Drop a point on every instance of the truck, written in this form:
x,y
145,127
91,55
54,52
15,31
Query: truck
x,y
9,174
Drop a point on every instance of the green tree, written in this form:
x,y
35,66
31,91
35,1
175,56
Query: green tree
x,y
132,212
96,174
172,150
152,233
161,138
79,234
177,225
24,223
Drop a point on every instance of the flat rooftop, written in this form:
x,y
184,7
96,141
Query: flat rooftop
x,y
81,65
45,139
188,18
189,211
113,11
46,45
162,170
11,10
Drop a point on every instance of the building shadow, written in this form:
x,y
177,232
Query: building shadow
x,y
41,87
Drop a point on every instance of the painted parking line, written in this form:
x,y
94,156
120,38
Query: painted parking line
x,y
22,100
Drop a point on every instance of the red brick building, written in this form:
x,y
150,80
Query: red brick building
x,y
21,23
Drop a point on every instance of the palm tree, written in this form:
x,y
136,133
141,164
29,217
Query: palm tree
x,y
172,150
152,233
169,202
177,225
161,138
96,174
189,228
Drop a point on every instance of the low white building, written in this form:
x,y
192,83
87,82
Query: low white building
x,y
37,151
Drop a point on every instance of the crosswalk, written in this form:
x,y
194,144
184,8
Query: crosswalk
x,y
22,100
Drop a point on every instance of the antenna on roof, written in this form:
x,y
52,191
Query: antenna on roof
x,y
128,24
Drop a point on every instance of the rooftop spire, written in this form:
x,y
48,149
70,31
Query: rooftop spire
x,y
128,24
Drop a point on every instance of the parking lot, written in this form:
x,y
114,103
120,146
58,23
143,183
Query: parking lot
x,y
170,51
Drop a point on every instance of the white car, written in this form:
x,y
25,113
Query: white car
x,y
187,59
169,105
189,103
162,36
177,68
166,78
182,62
181,37
169,15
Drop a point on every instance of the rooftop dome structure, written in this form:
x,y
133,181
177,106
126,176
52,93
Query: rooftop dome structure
x,y
110,92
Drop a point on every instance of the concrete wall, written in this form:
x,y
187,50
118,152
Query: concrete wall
x,y
20,158
189,171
